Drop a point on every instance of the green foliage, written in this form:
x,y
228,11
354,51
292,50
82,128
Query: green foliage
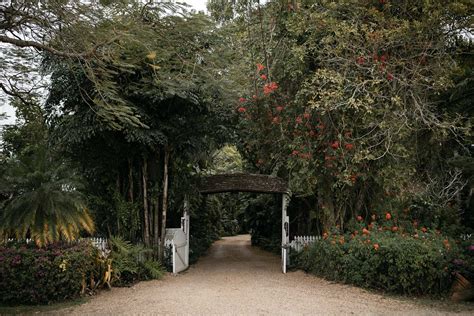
x,y
41,191
264,221
31,275
393,262
132,263
344,101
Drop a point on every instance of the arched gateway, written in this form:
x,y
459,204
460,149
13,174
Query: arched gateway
x,y
256,183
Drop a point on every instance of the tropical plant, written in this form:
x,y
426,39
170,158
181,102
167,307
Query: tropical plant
x,y
132,263
44,200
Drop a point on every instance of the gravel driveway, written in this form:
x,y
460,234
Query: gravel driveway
x,y
238,279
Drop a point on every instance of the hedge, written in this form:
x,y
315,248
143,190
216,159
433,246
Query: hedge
x,y
31,275
394,262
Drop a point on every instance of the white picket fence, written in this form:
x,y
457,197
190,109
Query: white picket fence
x,y
300,242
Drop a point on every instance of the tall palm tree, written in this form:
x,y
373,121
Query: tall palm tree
x,y
44,200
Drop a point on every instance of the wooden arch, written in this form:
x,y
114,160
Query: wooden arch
x,y
258,183
241,182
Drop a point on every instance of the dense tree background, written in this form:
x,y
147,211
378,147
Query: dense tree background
x,y
365,107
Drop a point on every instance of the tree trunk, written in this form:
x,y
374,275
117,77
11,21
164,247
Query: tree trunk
x,y
130,181
156,214
165,202
146,226
117,187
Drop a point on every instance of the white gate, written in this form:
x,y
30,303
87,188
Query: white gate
x,y
178,239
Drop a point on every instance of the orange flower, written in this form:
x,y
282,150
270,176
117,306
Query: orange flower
x,y
365,231
376,247
260,67
263,76
424,229
388,216
394,229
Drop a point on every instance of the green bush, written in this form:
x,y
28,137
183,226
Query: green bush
x,y
395,262
31,275
132,263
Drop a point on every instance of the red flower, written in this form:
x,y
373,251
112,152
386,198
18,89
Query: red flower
x,y
389,77
242,109
360,60
353,178
260,67
335,145
388,216
299,120
242,100
264,77
349,146
306,115
359,218
270,87
279,108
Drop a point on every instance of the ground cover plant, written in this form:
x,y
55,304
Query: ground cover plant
x,y
383,256
32,275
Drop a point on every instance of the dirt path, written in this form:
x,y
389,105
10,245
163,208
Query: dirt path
x,y
235,279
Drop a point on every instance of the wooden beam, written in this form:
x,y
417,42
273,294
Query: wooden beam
x,y
240,182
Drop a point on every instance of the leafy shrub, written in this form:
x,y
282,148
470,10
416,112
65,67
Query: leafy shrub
x,y
132,263
31,275
419,263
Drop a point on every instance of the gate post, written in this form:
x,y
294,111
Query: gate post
x,y
285,230
185,228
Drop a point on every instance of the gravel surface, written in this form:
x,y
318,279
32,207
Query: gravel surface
x,y
238,279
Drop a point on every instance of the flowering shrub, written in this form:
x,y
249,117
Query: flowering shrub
x,y
384,259
31,275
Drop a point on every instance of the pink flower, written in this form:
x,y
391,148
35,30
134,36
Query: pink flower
x,y
260,67
264,77
242,109
242,100
279,108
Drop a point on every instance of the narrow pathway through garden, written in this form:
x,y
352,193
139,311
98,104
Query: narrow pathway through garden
x,y
238,279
